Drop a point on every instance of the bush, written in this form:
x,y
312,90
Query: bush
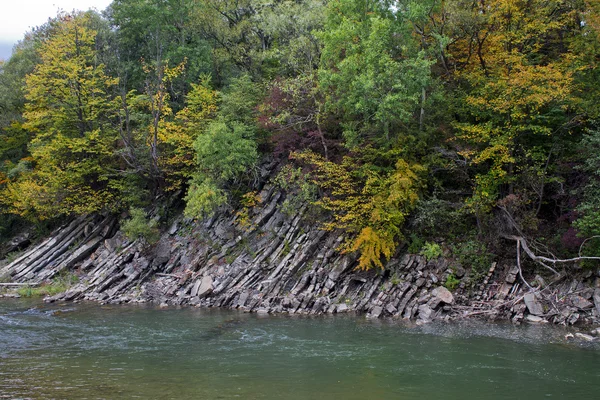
x,y
475,255
431,250
139,227
416,244
452,282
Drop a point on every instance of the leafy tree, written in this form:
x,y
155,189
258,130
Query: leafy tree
x,y
517,93
178,136
68,109
372,70
226,150
153,33
588,221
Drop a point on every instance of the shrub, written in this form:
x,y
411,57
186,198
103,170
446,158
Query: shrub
x,y
416,244
431,250
452,282
139,227
475,255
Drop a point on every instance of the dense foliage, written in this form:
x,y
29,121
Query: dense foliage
x,y
449,119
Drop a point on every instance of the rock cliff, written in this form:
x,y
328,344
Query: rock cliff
x,y
282,262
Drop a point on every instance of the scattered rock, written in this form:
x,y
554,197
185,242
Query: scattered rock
x,y
425,312
162,254
206,286
580,302
511,277
585,337
443,294
341,308
597,299
375,312
459,272
173,228
535,319
391,309
533,305
112,244
573,318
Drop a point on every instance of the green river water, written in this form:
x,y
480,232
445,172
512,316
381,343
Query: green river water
x,y
87,351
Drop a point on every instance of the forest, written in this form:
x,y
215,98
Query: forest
x,y
474,125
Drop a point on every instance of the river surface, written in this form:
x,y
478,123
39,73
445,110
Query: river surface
x,y
88,351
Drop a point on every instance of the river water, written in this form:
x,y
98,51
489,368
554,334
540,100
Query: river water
x,y
88,351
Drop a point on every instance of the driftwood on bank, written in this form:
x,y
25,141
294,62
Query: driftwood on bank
x,y
9,284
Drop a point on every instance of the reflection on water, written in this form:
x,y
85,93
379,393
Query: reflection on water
x,y
107,352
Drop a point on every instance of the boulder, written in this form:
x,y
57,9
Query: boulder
x,y
391,309
206,286
425,312
580,302
535,319
585,337
162,254
341,308
533,305
597,299
443,294
375,312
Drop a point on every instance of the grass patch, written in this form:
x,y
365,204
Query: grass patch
x,y
59,284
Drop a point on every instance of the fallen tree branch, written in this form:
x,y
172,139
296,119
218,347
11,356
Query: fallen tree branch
x,y
519,265
20,284
512,303
522,243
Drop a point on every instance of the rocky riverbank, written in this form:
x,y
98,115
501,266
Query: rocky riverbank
x,y
282,263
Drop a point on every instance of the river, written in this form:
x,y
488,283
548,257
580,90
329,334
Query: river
x,y
88,351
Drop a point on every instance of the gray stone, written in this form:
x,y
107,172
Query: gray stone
x,y
573,318
511,277
391,309
244,297
206,286
580,302
375,312
425,312
443,294
112,244
162,254
459,272
434,302
196,287
597,299
535,319
585,337
173,228
533,305
342,308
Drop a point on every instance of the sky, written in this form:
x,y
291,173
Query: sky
x,y
19,16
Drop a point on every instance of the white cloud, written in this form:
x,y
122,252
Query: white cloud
x,y
19,16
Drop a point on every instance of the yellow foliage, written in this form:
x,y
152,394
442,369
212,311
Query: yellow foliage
x,y
516,86
370,206
372,245
248,201
176,137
